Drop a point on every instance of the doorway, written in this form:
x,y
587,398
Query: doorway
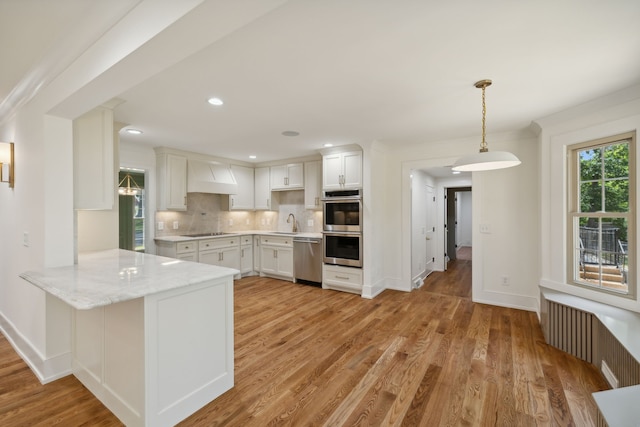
x,y
132,211
457,229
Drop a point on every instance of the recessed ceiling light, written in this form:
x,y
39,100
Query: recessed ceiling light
x,y
215,101
328,144
134,131
455,172
252,156
290,133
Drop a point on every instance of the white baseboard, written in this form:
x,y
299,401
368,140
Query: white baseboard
x,y
46,370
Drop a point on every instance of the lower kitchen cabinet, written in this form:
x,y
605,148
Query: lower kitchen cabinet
x,y
276,257
347,279
186,251
223,252
246,255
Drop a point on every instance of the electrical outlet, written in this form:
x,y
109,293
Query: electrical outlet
x,y
176,225
310,223
230,221
247,221
505,280
485,228
160,225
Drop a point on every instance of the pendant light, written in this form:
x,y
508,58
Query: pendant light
x,y
128,190
485,160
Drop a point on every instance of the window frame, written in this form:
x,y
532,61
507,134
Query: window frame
x,y
573,212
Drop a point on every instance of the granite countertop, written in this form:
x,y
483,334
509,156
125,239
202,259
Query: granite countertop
x,y
173,239
111,276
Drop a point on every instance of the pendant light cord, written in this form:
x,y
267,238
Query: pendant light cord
x,y
483,146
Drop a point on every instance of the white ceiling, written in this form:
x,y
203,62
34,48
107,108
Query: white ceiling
x,y
400,72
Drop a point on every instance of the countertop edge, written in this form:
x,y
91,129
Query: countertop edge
x,y
76,286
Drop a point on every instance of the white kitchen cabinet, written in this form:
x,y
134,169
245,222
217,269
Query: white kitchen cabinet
x,y
287,177
187,251
224,252
276,256
246,255
256,253
171,181
342,170
312,185
244,200
263,197
94,176
346,279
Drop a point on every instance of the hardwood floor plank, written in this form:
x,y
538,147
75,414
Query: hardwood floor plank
x,y
311,357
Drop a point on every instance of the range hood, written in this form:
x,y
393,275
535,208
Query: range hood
x,y
210,177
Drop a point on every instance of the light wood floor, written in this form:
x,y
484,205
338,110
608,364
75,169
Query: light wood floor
x,y
308,357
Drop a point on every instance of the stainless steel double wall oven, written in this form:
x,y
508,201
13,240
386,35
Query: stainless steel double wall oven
x,y
342,216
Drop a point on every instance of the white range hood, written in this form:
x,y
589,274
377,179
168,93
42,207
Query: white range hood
x,y
210,177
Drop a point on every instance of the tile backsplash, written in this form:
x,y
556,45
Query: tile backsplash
x,y
204,214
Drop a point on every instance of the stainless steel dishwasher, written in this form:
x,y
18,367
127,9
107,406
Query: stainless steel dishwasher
x,y
307,260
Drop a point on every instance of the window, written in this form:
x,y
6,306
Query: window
x,y
601,214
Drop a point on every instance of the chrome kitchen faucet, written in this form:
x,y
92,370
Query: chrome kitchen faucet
x,y
294,227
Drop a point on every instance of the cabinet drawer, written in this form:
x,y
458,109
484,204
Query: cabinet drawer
x,y
345,276
285,241
186,247
223,242
246,240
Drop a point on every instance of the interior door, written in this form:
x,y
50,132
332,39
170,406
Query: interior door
x,y
430,230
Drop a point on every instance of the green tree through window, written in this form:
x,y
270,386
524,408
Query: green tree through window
x,y
600,211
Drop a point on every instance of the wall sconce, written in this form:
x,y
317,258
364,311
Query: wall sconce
x,y
7,164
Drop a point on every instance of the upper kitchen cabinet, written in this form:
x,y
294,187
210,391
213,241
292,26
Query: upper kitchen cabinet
x,y
244,199
287,177
94,177
342,170
263,199
172,181
313,185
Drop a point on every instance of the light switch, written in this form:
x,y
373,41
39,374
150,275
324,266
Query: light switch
x,y
176,225
25,239
310,223
160,225
485,228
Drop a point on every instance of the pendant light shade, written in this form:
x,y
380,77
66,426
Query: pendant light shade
x,y
485,160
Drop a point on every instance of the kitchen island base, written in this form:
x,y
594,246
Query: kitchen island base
x,y
155,360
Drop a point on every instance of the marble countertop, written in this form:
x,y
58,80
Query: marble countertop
x,y
173,239
107,277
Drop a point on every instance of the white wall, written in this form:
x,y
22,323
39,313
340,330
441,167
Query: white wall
x,y
614,114
41,204
376,231
505,199
464,218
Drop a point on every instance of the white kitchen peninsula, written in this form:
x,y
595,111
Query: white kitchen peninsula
x,y
152,336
